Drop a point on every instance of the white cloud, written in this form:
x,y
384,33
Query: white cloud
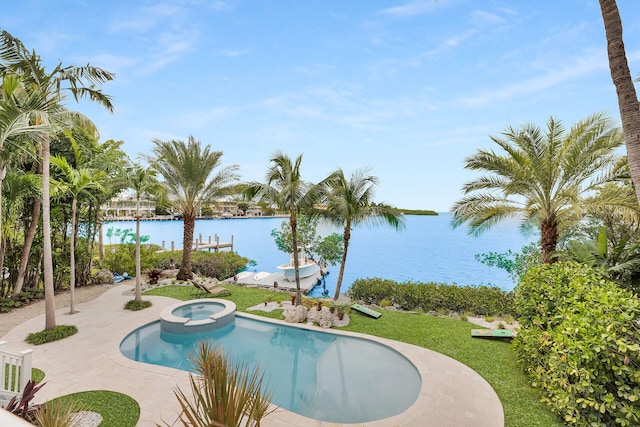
x,y
579,66
413,8
233,53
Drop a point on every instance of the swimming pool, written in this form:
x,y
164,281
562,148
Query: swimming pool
x,y
316,374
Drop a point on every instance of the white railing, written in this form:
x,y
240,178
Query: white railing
x,y
15,372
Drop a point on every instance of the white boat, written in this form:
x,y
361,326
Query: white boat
x,y
306,268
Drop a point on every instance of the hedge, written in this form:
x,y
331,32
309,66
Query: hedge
x,y
580,343
481,300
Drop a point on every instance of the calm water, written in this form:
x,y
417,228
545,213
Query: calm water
x,y
316,374
427,250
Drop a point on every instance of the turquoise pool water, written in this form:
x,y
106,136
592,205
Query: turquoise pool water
x,y
198,311
319,375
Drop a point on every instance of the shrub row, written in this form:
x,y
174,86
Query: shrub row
x,y
481,300
220,265
580,343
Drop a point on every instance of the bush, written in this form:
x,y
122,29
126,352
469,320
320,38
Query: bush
x,y
220,265
579,342
24,298
123,257
55,334
482,300
134,305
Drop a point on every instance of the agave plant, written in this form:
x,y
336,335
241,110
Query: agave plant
x,y
224,393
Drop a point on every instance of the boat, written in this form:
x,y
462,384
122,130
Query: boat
x,y
306,267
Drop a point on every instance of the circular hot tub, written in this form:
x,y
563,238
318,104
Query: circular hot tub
x,y
197,315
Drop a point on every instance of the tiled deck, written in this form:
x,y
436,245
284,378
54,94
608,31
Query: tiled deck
x,y
452,394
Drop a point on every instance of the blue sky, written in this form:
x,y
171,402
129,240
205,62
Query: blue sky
x,y
408,88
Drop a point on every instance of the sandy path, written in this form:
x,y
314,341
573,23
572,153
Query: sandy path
x,y
15,317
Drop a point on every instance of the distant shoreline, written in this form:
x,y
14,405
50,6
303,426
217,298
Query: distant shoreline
x,y
177,218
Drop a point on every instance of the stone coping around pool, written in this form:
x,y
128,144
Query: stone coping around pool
x,y
176,324
452,394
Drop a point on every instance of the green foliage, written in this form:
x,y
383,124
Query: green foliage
x,y
306,233
579,343
57,414
223,392
117,409
134,305
24,298
515,264
220,265
57,333
482,300
122,258
418,212
329,249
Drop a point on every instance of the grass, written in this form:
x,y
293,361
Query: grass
x,y
492,359
117,409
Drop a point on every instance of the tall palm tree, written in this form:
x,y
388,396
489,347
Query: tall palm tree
x,y
544,178
285,189
50,87
350,202
187,170
627,97
75,182
143,181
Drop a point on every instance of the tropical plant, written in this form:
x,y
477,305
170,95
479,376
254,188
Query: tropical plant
x,y
75,182
143,182
48,88
58,413
224,393
543,178
187,169
21,405
350,203
578,342
621,76
323,251
285,189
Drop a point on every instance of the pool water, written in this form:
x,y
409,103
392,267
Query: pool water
x,y
198,311
319,375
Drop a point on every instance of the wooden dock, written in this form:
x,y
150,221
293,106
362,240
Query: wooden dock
x,y
200,244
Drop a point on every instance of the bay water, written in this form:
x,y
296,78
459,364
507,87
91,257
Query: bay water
x,y
428,249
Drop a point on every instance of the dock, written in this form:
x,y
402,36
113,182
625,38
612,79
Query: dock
x,y
200,244
277,281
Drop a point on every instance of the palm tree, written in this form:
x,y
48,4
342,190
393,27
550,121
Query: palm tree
x,y
285,189
49,87
621,76
144,183
187,171
544,178
75,182
350,202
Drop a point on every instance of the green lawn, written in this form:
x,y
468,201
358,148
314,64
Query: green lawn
x,y
493,359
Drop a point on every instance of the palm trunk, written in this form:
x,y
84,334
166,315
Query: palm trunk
x,y
627,98
187,242
347,237
72,256
26,249
49,305
100,239
549,240
138,297
296,263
